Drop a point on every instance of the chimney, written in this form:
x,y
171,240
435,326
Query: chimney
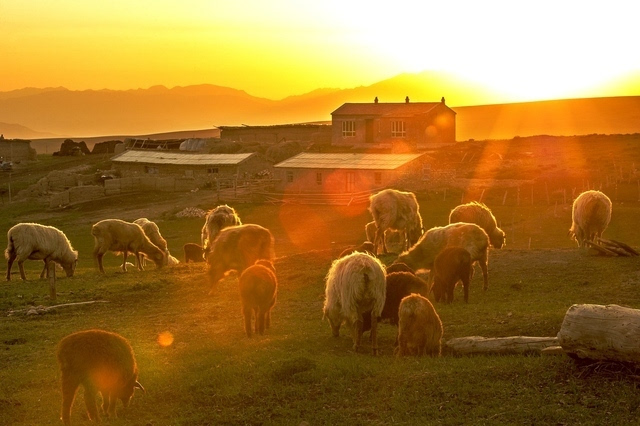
x,y
442,100
375,100
406,100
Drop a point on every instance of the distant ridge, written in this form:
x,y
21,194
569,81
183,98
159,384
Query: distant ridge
x,y
158,109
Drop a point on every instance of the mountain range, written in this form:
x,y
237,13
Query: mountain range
x,y
33,113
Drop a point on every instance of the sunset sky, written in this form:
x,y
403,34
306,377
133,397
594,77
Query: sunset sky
x,y
524,50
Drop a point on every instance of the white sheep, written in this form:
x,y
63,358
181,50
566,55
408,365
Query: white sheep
x,y
591,215
466,235
39,242
152,231
217,219
355,284
482,216
123,237
393,209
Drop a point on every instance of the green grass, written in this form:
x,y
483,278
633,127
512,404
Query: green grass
x,y
213,374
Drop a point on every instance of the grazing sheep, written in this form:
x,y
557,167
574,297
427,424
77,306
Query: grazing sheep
x,y
152,231
466,235
39,242
237,248
399,267
123,237
399,285
392,209
394,240
419,327
355,284
101,362
590,215
366,247
258,288
453,264
216,220
193,252
481,215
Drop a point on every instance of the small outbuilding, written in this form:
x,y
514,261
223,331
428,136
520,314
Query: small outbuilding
x,y
340,173
16,150
189,165
396,126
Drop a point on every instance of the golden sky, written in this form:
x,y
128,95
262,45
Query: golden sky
x,y
522,49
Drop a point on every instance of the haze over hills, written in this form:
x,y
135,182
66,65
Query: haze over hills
x,y
32,113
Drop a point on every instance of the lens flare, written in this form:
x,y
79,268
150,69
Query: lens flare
x,y
165,339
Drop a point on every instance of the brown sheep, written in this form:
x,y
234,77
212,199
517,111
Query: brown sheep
x,y
399,267
39,242
590,215
466,235
237,248
152,231
394,240
122,237
392,209
355,284
217,219
453,264
482,216
366,247
102,362
258,288
193,252
419,327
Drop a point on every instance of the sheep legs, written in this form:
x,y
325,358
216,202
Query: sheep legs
x,y
379,238
69,388
247,312
485,275
10,260
21,267
90,402
98,256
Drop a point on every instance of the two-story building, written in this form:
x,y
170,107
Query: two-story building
x,y
417,125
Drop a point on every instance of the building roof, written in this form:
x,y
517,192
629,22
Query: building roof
x,y
360,161
386,109
179,158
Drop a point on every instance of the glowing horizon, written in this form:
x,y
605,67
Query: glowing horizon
x,y
520,51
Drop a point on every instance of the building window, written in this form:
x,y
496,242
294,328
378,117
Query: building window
x,y
213,170
377,178
319,178
289,177
348,129
398,129
151,170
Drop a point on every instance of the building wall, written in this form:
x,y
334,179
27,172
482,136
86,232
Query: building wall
x,y
275,134
16,150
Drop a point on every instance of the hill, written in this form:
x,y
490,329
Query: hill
x,y
93,113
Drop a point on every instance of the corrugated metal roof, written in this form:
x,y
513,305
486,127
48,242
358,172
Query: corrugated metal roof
x,y
386,109
307,160
179,158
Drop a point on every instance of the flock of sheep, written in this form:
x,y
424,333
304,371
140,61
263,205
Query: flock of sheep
x,y
359,289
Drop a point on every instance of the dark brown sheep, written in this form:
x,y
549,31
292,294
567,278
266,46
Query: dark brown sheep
x,y
399,267
453,264
419,327
102,362
258,288
193,252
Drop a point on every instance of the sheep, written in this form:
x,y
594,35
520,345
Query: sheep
x,y
393,239
419,327
217,219
119,236
481,215
399,285
258,288
193,252
152,231
392,209
466,235
39,242
102,362
172,261
355,284
237,248
590,217
399,267
453,264
366,247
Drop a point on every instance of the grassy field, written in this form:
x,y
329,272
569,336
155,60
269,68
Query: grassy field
x,y
297,372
